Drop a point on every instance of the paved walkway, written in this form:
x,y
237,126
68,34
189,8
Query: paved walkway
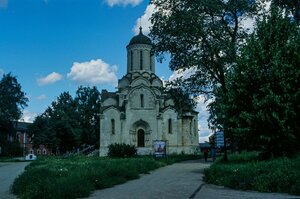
x,y
178,181
8,172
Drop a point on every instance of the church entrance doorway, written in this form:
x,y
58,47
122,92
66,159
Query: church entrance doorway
x,y
141,138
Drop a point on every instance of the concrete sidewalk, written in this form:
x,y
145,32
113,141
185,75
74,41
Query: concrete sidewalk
x,y
8,172
178,181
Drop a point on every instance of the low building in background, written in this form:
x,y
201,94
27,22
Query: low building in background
x,y
26,144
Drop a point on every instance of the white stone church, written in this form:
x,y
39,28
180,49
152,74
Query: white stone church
x,y
139,112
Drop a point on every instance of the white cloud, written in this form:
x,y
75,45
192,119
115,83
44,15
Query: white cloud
x,y
248,24
204,131
50,79
42,97
182,74
93,72
3,3
123,2
28,116
144,21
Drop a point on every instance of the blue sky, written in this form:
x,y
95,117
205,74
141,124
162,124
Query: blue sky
x,y
54,46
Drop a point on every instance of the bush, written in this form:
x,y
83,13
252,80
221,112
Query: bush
x,y
11,149
121,150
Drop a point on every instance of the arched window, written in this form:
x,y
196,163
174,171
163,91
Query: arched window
x,y
142,100
38,152
31,151
44,151
141,138
170,126
141,60
112,126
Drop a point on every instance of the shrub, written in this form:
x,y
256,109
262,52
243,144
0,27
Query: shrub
x,y
11,149
121,150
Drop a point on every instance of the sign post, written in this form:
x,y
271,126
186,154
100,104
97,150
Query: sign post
x,y
219,139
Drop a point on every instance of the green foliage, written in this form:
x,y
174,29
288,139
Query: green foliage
x,y
12,98
88,106
12,149
290,6
69,123
10,159
203,35
58,126
121,150
12,101
254,78
78,176
262,107
245,171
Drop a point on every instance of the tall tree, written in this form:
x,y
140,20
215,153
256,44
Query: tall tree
x,y
88,106
58,126
64,121
12,101
264,89
69,122
203,34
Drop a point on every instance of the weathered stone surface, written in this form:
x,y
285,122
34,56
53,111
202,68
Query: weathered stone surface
x,y
140,105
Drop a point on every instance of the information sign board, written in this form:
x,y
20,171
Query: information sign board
x,y
159,147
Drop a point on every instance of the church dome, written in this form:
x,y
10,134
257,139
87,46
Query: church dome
x,y
140,39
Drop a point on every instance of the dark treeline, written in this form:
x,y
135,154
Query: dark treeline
x,y
65,125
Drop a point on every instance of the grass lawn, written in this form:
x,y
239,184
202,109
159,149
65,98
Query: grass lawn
x,y
245,171
78,176
11,159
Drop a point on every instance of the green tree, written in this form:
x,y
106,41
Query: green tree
x,y
292,6
202,34
69,122
12,101
42,133
58,126
88,106
64,121
264,89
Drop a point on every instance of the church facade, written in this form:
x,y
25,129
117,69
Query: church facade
x,y
139,112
